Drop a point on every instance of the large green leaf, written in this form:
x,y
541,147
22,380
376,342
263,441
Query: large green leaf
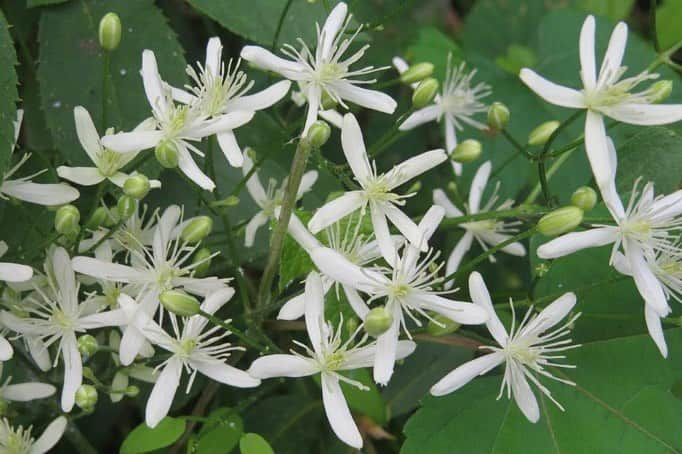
x,y
613,9
622,403
144,439
668,23
434,46
71,66
8,93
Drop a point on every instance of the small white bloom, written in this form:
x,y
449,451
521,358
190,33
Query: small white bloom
x,y
488,232
456,105
528,349
326,70
604,95
19,440
376,191
329,356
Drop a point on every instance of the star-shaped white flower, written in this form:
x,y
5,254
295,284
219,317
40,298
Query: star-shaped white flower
x,y
19,440
527,350
329,356
108,164
488,232
603,95
325,70
376,191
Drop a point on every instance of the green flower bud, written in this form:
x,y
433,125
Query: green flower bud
x,y
227,202
541,134
424,93
202,261
167,154
136,186
87,345
125,207
467,151
110,31
319,133
498,116
417,73
197,229
560,221
98,218
327,101
414,187
584,198
251,153
660,91
132,391
67,219
179,303
440,325
86,398
378,321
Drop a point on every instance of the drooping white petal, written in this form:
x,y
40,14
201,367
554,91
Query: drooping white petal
x,y
576,241
85,176
421,116
256,222
162,394
450,135
597,149
265,59
292,309
52,434
615,50
644,114
364,356
338,413
457,311
307,181
552,314
455,258
40,193
224,373
364,97
382,233
127,142
356,302
278,365
333,117
253,184
39,352
478,185
25,392
314,311
230,147
192,170
481,297
466,372
412,233
647,284
300,233
442,200
551,92
13,272
493,238
261,100
105,270
354,148
331,28
340,269
87,133
655,328
335,210
415,166
523,395
386,351
314,96
73,371
6,350
588,65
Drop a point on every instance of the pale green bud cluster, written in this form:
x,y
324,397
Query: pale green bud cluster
x,y
167,155
137,186
86,398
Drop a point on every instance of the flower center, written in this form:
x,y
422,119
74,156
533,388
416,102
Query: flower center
x,y
637,229
378,190
110,162
333,361
165,276
186,347
523,353
62,320
398,290
111,295
330,71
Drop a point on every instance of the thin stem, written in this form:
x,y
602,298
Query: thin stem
x,y
652,22
106,64
280,23
532,197
516,144
389,136
103,239
237,333
520,211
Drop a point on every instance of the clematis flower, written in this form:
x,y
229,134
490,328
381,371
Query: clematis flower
x,y
175,125
330,357
325,70
192,348
50,194
456,105
605,95
376,191
268,199
409,289
487,232
19,440
526,351
220,90
108,164
55,315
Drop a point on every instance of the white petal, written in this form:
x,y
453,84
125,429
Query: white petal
x,y
415,166
552,314
523,395
105,270
481,297
400,64
211,304
73,371
644,114
182,96
87,133
455,258
314,311
653,324
465,373
228,143
460,312
450,136
300,233
494,238
85,176
478,185
39,353
279,365
222,123
214,49
338,414
162,394
442,200
65,277
615,51
261,100
621,264
331,28
421,116
332,117
6,351
383,234
551,92
307,181
13,272
364,356
314,96
354,148
356,302
25,392
52,434
335,210
588,65
256,222
647,284
116,317
225,373
39,193
386,351
576,241
340,269
292,309
253,184
363,97
153,86
265,59
127,142
668,207
192,170
412,233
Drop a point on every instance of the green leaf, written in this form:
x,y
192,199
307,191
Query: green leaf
x,y
613,9
71,67
369,402
622,403
221,433
668,27
433,46
8,93
143,439
516,58
35,3
254,444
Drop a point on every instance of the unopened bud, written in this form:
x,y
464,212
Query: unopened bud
x,y
498,116
251,153
467,151
378,321
132,391
319,133
67,219
136,186
86,398
167,154
202,261
197,229
125,207
327,101
661,90
541,134
424,93
560,221
98,218
414,187
440,325
87,345
417,73
110,31
227,202
179,303
584,198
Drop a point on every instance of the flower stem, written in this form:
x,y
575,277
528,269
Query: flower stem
x,y
106,64
390,136
516,144
280,23
520,211
532,197
237,333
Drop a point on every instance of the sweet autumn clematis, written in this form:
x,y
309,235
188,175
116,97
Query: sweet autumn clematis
x,y
605,95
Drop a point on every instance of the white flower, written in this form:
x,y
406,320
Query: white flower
x,y
176,125
56,316
19,440
325,70
488,232
329,357
108,164
409,288
457,104
165,267
193,349
268,199
528,349
49,194
604,95
376,191
24,392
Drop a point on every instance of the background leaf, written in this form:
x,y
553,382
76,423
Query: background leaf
x,y
144,439
8,93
